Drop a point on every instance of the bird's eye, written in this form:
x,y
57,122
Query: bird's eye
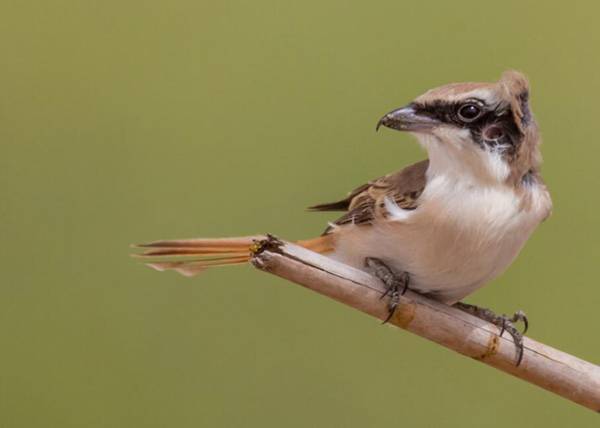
x,y
469,112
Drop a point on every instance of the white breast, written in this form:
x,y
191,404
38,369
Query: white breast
x,y
460,237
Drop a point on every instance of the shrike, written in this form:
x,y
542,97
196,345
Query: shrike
x,y
442,227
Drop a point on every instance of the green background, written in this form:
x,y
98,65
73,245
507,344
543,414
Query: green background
x,y
125,121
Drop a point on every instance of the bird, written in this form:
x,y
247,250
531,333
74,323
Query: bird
x,y
442,227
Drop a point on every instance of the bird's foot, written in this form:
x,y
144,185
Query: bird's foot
x,y
396,283
503,322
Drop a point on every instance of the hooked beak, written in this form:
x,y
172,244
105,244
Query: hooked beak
x,y
407,119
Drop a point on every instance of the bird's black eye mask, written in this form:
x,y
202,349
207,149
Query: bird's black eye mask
x,y
491,128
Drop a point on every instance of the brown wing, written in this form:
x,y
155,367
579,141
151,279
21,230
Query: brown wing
x,y
366,202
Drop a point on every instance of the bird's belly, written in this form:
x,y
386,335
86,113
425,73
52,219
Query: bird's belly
x,y
443,259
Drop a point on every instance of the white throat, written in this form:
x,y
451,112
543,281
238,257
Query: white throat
x,y
455,156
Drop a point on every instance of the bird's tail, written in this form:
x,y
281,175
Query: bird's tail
x,y
192,256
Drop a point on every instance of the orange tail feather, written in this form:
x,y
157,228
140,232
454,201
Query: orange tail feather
x,y
192,256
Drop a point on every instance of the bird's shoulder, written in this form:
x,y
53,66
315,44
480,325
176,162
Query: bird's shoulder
x,y
367,202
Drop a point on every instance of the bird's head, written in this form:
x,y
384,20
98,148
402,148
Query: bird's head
x,y
485,130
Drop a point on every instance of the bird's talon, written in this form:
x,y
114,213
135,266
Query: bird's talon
x,y
393,282
503,322
503,329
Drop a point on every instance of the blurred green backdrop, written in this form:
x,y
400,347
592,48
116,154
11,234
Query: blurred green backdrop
x,y
125,121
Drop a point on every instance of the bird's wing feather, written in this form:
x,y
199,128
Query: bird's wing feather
x,y
367,202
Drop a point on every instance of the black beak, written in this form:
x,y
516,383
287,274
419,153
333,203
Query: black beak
x,y
407,119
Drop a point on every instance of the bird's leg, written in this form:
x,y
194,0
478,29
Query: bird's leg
x,y
503,322
396,283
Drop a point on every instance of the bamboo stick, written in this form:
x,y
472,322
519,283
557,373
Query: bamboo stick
x,y
556,371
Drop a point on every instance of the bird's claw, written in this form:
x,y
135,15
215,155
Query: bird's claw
x,y
503,322
395,284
